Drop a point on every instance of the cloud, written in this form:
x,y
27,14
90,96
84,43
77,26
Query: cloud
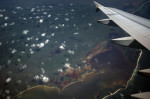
x,y
66,19
42,78
90,24
25,31
70,52
60,70
40,45
1,15
45,79
13,51
8,80
43,34
46,41
67,65
49,16
41,21
33,9
6,18
62,46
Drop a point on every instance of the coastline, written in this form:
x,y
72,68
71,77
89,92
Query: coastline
x,y
118,89
139,57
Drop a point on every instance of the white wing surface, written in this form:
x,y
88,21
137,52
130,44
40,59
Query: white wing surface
x,y
137,27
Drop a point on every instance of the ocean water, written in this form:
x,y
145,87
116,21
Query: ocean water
x,y
139,83
37,35
40,39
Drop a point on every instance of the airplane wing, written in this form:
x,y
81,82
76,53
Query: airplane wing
x,y
137,27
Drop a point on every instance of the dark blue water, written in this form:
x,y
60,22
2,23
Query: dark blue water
x,y
40,38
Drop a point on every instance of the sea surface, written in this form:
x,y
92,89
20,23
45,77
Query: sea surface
x,y
41,39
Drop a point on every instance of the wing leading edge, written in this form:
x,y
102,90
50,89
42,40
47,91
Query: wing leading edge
x,y
137,27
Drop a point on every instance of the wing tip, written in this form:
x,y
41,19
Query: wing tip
x,y
97,4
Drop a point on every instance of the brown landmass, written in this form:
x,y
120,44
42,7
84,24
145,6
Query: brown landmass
x,y
107,76
104,77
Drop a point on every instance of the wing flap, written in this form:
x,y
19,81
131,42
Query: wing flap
x,y
128,41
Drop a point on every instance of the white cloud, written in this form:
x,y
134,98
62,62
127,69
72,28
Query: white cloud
x,y
45,79
74,25
9,61
13,41
19,8
13,51
41,20
24,18
72,10
31,51
29,38
56,27
25,31
71,4
14,12
36,39
62,47
76,33
42,78
67,19
13,23
70,52
60,70
67,65
1,15
43,34
23,66
44,12
49,16
46,41
19,60
27,45
53,34
66,14
67,59
6,18
56,18
40,45
8,80
30,17
22,52
33,45
90,24
43,71
37,17
5,24
36,77
61,25
51,6
33,9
